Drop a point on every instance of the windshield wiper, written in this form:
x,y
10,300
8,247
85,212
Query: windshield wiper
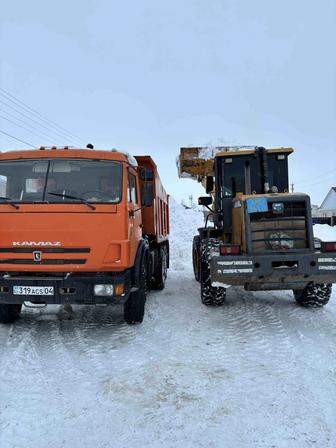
x,y
75,198
3,198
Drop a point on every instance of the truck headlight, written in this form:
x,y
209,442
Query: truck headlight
x,y
103,290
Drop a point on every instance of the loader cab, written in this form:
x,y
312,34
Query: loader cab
x,y
245,173
248,172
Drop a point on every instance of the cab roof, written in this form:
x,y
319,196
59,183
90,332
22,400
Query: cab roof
x,y
54,152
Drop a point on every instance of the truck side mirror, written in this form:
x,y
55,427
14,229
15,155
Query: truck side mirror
x,y
209,186
205,201
147,194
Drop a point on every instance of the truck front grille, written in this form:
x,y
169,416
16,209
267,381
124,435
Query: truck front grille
x,y
49,261
46,250
283,232
45,259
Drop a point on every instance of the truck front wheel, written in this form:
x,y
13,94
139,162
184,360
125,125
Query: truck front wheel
x,y
9,313
134,308
210,295
315,295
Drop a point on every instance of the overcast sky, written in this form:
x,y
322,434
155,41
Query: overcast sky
x,y
150,76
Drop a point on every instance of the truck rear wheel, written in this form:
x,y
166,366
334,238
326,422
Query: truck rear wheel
x,y
315,295
160,274
196,256
9,313
210,295
134,308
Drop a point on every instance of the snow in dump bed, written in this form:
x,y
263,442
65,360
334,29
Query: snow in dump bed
x,y
258,372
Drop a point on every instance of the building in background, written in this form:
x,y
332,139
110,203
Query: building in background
x,y
326,213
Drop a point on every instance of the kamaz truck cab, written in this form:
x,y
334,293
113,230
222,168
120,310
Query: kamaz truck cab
x,y
262,235
80,226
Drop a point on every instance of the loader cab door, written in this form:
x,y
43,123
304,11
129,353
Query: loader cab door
x,y
234,174
134,211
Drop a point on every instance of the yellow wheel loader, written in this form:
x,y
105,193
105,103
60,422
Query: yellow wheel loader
x,y
256,233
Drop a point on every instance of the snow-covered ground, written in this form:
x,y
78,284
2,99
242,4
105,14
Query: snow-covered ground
x,y
258,372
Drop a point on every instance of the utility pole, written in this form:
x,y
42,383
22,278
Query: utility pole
x,y
292,187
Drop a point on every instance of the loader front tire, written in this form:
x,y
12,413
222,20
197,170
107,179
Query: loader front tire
x,y
196,257
210,295
315,295
9,313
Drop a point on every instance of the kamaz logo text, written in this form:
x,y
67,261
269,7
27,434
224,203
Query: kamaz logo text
x,y
36,243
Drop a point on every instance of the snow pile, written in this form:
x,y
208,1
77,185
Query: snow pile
x,y
325,232
183,227
209,152
258,372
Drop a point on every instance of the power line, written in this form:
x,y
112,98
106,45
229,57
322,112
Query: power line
x,y
308,180
40,133
317,180
26,107
33,120
18,139
20,126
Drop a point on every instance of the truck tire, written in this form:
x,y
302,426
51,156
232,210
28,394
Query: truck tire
x,y
160,274
134,308
210,295
9,313
315,295
196,256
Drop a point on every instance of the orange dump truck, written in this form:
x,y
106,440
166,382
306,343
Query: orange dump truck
x,y
81,227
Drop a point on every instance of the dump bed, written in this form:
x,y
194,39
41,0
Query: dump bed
x,y
155,219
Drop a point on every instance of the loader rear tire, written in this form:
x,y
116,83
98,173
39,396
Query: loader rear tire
x,y
315,295
134,308
210,295
196,248
9,313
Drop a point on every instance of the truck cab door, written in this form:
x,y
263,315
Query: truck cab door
x,y
134,212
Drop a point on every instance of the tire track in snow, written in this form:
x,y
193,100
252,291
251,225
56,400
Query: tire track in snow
x,y
249,335
22,376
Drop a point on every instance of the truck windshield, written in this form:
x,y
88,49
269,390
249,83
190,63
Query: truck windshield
x,y
31,180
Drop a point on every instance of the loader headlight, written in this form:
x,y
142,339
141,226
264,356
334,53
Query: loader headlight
x,y
103,290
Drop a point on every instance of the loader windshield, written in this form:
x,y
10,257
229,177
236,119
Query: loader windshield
x,y
60,180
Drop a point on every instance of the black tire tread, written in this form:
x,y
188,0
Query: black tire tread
x,y
9,312
315,295
159,279
196,247
210,295
134,308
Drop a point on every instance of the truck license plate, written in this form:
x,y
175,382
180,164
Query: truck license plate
x,y
33,290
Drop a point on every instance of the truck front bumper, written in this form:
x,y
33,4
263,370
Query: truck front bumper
x,y
273,271
67,288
